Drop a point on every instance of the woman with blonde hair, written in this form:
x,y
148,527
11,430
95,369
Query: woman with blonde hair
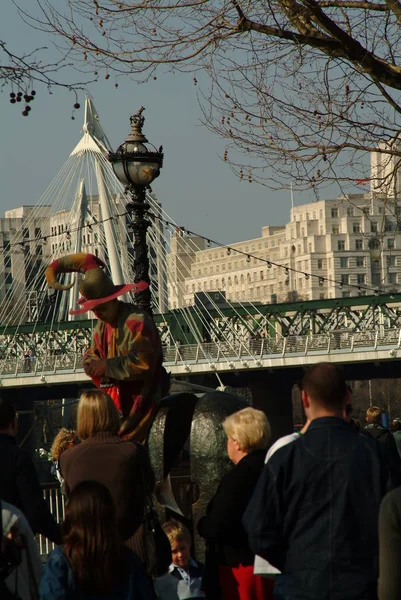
x,y
248,435
122,467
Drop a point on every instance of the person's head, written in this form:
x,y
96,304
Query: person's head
x,y
96,413
65,439
91,539
8,418
373,415
180,542
396,425
108,311
246,430
324,391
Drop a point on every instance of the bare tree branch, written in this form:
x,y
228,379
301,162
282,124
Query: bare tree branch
x,y
308,88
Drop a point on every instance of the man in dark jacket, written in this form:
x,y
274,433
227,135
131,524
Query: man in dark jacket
x,y
19,483
382,435
315,509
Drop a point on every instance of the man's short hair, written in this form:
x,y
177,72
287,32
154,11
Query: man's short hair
x,y
176,532
374,413
325,384
7,413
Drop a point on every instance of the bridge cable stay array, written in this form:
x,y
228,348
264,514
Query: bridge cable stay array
x,y
73,215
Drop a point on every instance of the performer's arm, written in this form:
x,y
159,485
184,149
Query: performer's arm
x,y
142,351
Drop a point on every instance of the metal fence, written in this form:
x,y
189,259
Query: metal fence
x,y
56,501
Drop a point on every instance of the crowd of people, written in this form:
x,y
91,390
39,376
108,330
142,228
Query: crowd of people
x,y
315,516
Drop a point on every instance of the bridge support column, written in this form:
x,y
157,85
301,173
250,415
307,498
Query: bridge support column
x,y
273,394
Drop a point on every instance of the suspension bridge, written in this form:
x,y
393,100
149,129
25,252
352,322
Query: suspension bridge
x,y
84,209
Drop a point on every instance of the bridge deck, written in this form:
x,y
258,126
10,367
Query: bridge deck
x,y
341,347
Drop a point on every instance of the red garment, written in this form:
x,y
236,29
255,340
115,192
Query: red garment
x,y
133,355
239,583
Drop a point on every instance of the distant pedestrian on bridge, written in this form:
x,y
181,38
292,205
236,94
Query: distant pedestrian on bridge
x,y
125,358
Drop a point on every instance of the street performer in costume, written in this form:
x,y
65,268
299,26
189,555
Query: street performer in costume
x,y
125,357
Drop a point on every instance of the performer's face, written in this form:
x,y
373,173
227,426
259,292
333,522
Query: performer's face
x,y
107,312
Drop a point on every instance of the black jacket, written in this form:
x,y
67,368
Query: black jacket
x,y
315,511
385,437
19,485
222,526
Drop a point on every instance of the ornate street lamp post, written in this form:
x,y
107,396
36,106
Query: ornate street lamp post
x,y
136,167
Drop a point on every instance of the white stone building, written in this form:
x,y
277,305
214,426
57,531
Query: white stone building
x,y
354,240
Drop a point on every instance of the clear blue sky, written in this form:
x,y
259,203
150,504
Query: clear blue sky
x,y
196,187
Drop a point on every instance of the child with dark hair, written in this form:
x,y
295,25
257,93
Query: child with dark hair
x,y
92,561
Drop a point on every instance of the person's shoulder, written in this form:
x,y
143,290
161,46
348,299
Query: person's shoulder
x,y
132,311
11,516
70,455
280,443
284,452
196,568
58,559
391,502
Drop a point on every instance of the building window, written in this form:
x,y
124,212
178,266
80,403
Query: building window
x,y
350,212
321,296
344,279
391,261
361,278
335,229
320,263
392,277
358,244
262,275
346,294
373,227
8,279
356,227
366,210
360,261
7,262
340,245
25,232
334,213
343,262
390,243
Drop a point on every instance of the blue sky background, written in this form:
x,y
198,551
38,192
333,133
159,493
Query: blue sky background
x,y
196,187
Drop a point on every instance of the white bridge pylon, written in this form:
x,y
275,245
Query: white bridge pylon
x,y
95,142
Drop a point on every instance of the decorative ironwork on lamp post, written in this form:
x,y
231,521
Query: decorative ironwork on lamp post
x,y
136,167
